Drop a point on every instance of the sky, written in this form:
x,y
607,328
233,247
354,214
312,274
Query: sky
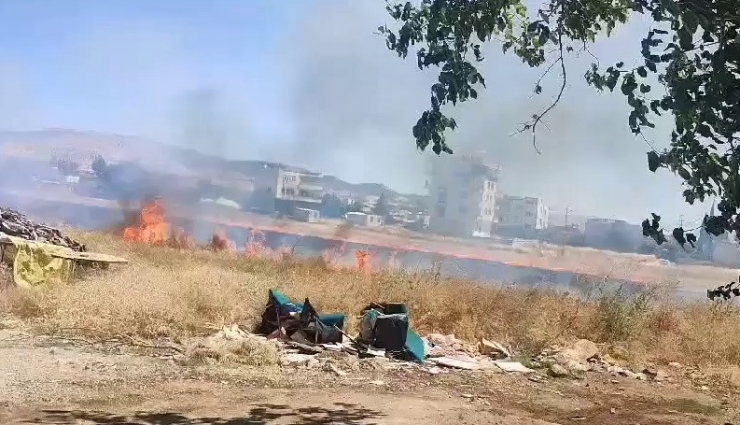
x,y
311,84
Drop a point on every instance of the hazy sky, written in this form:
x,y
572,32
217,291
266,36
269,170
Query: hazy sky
x,y
308,82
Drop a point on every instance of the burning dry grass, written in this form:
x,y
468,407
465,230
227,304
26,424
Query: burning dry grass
x,y
170,293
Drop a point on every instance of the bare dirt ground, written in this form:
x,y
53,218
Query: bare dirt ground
x,y
53,381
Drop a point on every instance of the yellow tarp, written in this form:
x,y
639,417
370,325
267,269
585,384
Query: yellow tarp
x,y
34,263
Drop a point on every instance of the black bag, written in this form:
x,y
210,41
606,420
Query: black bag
x,y
390,327
391,331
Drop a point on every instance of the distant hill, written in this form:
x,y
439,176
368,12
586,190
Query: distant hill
x,y
84,146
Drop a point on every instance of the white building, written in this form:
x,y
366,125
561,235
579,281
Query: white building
x,y
362,219
462,195
298,186
522,212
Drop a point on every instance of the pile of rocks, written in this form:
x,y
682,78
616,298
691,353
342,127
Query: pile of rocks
x,y
13,223
585,356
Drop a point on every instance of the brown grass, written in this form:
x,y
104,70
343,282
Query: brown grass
x,y
171,293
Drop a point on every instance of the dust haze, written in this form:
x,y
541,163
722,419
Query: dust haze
x,y
330,97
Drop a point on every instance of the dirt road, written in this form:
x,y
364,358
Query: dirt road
x,y
51,381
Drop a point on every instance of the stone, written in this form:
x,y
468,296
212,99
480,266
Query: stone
x,y
558,371
577,367
655,374
434,370
621,371
582,351
493,349
297,359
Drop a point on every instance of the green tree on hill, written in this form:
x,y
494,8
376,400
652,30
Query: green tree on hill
x,y
691,53
381,207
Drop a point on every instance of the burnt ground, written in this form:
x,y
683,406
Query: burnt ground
x,y
55,381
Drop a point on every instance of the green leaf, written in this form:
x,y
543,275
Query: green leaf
x,y
642,72
685,39
654,161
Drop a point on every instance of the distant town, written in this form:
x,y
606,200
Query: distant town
x,y
463,199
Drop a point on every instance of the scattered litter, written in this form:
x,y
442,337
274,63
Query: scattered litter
x,y
377,383
384,332
375,352
333,347
13,223
456,363
512,367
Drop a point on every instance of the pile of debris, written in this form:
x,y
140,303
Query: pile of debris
x,y
294,335
384,330
383,334
13,223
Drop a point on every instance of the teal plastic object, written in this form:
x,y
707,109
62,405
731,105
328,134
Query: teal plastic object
x,y
286,305
415,347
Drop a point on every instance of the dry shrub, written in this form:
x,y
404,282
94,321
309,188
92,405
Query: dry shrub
x,y
248,352
167,292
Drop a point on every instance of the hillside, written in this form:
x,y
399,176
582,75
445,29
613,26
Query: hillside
x,y
84,146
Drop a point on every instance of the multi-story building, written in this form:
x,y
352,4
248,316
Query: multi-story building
x,y
280,188
297,189
521,213
462,195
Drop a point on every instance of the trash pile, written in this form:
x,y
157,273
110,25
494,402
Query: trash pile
x,y
384,330
13,223
384,333
296,335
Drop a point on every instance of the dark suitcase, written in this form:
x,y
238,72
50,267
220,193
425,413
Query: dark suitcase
x,y
390,332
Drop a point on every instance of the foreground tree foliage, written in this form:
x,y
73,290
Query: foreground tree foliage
x,y
689,69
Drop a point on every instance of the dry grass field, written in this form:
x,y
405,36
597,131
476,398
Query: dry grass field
x,y
168,293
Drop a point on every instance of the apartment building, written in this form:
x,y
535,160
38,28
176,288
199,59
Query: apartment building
x,y
462,195
521,213
297,189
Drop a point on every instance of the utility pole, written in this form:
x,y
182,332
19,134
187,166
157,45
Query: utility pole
x,y
680,221
567,210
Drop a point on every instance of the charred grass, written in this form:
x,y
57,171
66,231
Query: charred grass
x,y
175,294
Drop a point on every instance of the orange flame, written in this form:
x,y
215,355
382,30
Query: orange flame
x,y
220,242
363,261
256,244
152,227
